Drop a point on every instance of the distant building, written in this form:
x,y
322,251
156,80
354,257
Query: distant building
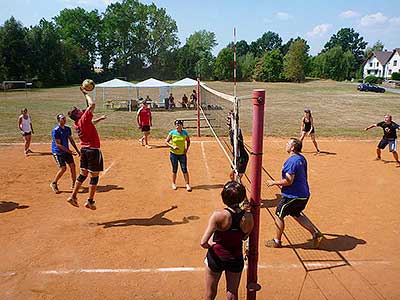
x,y
382,63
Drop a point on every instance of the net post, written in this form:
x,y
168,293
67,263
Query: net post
x,y
256,165
198,106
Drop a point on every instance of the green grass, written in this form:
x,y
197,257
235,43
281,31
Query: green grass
x,y
338,110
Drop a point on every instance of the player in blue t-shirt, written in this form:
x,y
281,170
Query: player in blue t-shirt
x,y
61,134
295,194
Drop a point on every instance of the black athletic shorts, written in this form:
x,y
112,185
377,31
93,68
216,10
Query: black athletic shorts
x,y
145,128
62,159
291,207
27,133
216,264
91,159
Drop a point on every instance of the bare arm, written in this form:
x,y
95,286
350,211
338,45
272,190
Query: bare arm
x,y
20,123
187,144
247,224
370,126
89,101
167,142
61,147
99,119
72,141
210,229
288,180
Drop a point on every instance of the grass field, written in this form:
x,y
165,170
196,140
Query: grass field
x,y
338,109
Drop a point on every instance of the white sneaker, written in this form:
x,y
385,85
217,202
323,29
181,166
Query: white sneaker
x,y
188,188
174,186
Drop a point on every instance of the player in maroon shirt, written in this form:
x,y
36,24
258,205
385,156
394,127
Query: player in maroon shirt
x,y
91,158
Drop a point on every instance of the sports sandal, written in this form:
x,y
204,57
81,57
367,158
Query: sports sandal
x,y
317,239
273,244
73,201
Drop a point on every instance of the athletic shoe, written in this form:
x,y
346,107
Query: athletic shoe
x,y
174,186
317,239
141,142
188,188
54,187
378,158
91,204
73,201
273,244
148,146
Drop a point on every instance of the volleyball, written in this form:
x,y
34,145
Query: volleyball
x,y
88,84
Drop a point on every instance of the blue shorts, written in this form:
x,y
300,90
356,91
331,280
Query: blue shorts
x,y
391,142
175,158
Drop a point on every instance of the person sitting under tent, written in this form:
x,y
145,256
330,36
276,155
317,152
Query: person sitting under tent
x,y
171,101
185,101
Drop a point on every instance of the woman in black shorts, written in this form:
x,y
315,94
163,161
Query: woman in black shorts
x,y
223,238
307,128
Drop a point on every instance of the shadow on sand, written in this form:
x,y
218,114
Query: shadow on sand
x,y
7,206
157,219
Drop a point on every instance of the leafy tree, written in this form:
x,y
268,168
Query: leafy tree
x,y
378,46
134,36
246,66
348,40
205,66
224,64
202,41
268,41
186,61
334,64
295,61
270,66
241,47
13,50
80,28
395,76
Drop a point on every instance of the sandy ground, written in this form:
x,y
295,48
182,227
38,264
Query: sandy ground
x,y
134,246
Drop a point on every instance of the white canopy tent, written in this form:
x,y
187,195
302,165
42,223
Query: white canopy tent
x,y
184,82
154,83
116,83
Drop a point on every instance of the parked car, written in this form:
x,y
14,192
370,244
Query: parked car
x,y
366,87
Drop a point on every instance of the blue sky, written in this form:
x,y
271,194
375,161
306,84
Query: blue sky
x,y
314,20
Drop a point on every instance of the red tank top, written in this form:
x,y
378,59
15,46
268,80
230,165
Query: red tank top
x,y
229,242
87,132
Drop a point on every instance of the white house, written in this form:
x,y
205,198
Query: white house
x,y
382,63
393,64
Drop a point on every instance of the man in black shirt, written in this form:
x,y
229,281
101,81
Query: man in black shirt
x,y
389,137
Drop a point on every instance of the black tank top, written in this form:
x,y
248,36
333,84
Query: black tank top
x,y
306,125
229,242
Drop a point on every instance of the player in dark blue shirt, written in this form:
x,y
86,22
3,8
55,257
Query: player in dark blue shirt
x,y
61,135
389,137
295,194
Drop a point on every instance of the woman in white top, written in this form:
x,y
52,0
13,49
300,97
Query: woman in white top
x,y
26,128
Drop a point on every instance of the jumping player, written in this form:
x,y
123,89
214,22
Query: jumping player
x,y
144,121
389,137
61,134
223,238
91,158
26,128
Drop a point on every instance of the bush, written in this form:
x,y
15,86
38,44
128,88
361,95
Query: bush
x,y
395,76
373,79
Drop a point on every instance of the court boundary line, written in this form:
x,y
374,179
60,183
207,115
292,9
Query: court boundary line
x,y
187,269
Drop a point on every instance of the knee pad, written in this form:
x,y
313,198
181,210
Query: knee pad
x,y
81,178
94,180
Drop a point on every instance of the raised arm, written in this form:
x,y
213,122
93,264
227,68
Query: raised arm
x,y
89,101
103,117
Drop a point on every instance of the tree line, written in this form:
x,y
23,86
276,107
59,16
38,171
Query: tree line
x,y
136,41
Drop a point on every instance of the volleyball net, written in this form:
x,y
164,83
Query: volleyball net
x,y
220,117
